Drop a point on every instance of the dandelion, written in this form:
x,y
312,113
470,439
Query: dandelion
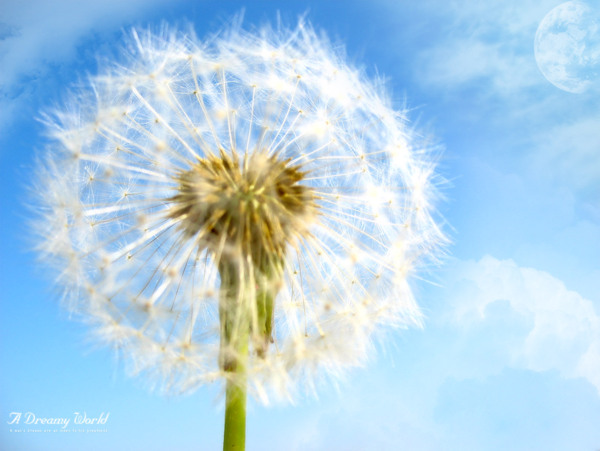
x,y
246,208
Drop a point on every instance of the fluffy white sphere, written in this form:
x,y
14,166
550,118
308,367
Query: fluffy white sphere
x,y
140,260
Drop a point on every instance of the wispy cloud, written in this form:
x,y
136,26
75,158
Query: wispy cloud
x,y
499,110
485,47
490,66
37,35
518,410
557,329
509,359
571,154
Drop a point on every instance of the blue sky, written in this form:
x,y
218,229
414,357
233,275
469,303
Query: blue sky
x,y
509,357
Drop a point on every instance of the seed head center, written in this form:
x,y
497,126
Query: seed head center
x,y
252,208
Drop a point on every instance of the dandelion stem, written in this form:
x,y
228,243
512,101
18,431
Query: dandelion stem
x,y
235,410
235,328
245,310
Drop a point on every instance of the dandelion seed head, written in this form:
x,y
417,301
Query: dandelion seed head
x,y
259,163
256,208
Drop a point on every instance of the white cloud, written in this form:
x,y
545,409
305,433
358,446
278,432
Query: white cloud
x,y
41,32
488,42
36,35
507,360
464,60
480,61
570,152
518,410
564,329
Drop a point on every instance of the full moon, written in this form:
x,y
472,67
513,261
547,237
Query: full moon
x,y
567,46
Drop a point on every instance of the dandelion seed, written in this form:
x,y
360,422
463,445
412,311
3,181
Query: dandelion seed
x,y
246,208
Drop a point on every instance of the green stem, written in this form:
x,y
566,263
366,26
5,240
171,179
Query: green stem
x,y
235,414
235,327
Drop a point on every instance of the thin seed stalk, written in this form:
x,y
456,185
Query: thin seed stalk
x,y
235,329
235,405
